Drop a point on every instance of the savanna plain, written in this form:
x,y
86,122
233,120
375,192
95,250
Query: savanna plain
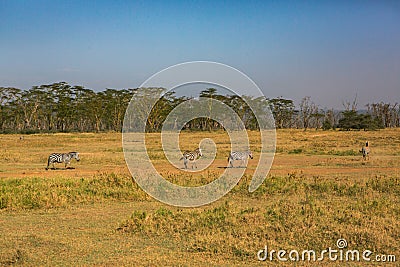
x,y
318,190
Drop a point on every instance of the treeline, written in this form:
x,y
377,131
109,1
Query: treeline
x,y
60,107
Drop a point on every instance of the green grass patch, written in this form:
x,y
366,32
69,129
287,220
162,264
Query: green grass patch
x,y
296,151
349,152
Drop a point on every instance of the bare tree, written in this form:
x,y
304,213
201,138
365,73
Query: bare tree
x,y
350,106
308,109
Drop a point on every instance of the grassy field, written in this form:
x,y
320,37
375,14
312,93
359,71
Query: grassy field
x,y
318,191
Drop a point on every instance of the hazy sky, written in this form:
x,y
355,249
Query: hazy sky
x,y
329,50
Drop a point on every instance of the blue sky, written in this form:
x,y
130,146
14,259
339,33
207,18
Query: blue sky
x,y
329,50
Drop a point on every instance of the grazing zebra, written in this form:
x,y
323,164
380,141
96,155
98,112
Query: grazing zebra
x,y
365,151
191,156
62,157
242,156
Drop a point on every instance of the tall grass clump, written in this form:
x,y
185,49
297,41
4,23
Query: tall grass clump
x,y
291,212
34,193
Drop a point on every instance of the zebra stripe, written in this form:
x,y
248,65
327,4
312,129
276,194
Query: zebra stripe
x,y
191,156
239,155
365,151
62,158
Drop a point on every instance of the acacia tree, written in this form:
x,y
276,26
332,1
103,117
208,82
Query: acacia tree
x,y
211,93
283,111
114,103
64,99
352,120
8,108
30,102
83,112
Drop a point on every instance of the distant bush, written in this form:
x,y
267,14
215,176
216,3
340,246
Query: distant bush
x,y
352,120
296,151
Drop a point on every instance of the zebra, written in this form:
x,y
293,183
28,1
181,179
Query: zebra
x,y
237,155
191,156
62,157
365,151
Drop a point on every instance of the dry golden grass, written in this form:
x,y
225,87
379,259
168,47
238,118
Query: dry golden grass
x,y
319,189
